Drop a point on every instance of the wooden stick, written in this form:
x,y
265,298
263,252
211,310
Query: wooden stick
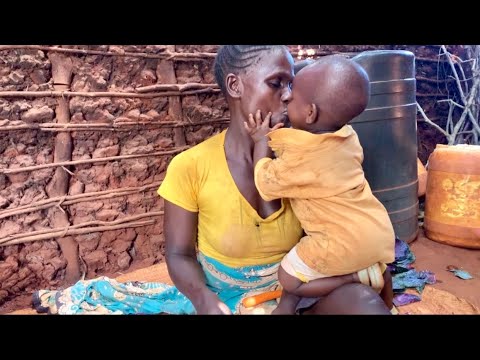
x,y
176,87
430,95
446,134
456,77
89,161
167,68
20,127
449,127
424,59
468,102
47,232
457,128
163,55
53,93
73,199
452,102
172,123
123,126
64,232
434,81
62,71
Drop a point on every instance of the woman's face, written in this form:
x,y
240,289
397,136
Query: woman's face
x,y
267,85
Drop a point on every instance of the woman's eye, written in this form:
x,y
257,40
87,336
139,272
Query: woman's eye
x,y
275,84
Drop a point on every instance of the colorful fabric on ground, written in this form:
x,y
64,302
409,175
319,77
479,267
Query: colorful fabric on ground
x,y
404,276
107,296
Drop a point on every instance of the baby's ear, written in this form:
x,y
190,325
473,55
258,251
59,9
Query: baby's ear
x,y
312,114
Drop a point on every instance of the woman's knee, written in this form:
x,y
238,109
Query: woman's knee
x,y
351,299
387,276
387,291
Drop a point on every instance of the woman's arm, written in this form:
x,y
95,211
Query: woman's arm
x,y
180,230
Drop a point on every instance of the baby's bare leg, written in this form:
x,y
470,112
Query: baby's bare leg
x,y
288,300
288,304
313,288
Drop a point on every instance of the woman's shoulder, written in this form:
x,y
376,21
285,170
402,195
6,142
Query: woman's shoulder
x,y
202,151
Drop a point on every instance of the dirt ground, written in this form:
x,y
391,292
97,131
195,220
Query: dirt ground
x,y
429,254
435,257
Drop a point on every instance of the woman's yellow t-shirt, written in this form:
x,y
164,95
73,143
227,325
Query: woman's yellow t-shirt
x,y
229,228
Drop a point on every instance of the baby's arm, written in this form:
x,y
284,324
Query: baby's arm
x,y
258,131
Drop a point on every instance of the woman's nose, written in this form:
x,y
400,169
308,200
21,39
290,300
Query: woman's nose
x,y
287,95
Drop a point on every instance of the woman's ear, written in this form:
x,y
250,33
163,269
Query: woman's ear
x,y
312,114
233,85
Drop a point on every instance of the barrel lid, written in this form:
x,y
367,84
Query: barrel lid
x,y
458,148
382,65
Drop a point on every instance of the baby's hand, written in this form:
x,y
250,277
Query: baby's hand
x,y
257,128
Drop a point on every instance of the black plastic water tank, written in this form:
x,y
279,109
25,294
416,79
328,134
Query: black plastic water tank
x,y
387,130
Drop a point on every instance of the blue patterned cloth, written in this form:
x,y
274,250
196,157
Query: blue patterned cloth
x,y
107,296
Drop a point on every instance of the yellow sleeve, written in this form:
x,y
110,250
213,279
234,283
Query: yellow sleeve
x,y
180,185
268,180
284,178
259,175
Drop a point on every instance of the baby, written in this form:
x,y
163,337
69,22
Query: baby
x,y
318,167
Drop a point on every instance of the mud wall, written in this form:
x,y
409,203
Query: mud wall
x,y
116,157
113,125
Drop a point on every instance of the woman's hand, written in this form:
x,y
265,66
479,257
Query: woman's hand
x,y
258,128
211,305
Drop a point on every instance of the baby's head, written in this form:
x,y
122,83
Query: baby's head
x,y
327,94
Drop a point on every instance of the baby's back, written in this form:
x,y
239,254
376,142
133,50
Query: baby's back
x,y
345,233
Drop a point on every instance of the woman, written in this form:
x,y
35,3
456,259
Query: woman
x,y
223,242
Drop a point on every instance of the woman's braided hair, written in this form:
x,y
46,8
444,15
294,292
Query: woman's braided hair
x,y
235,58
